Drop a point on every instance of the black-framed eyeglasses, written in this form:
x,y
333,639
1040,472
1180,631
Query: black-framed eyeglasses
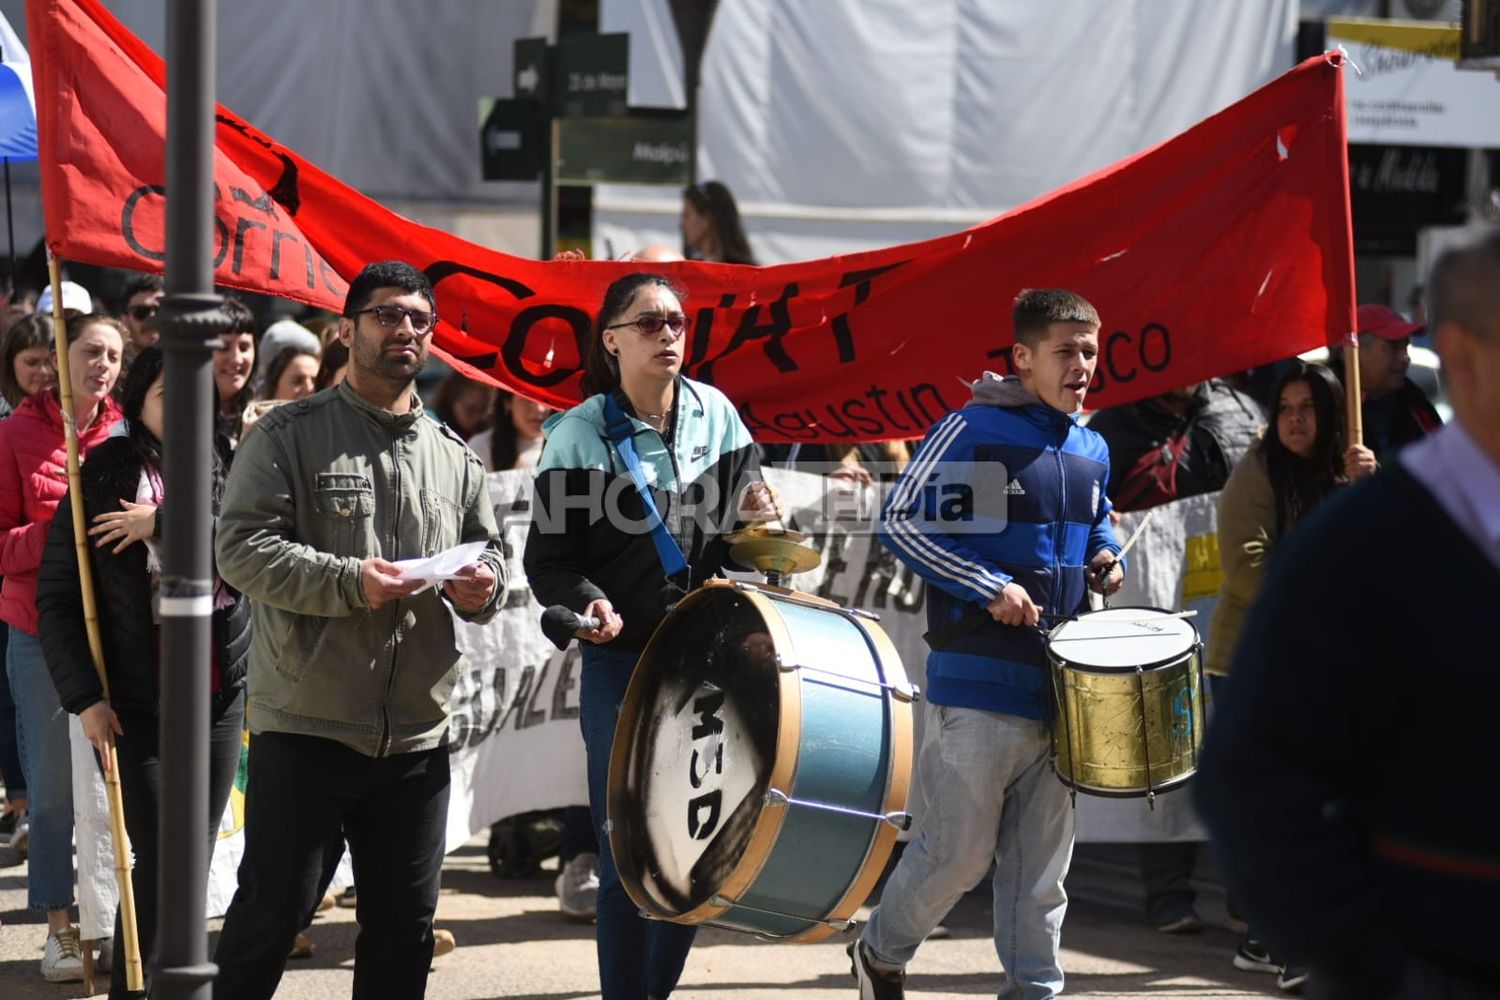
x,y
142,313
650,324
391,316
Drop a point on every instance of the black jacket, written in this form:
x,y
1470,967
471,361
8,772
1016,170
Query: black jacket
x,y
122,587
1343,778
1191,453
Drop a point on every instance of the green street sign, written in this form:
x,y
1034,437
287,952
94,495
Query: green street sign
x,y
592,76
531,70
510,134
633,150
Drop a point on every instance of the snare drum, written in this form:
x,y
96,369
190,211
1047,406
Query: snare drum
x,y
1127,696
761,762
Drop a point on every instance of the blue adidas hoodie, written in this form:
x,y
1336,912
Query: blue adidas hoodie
x,y
1005,489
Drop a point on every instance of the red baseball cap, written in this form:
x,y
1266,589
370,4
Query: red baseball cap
x,y
1385,323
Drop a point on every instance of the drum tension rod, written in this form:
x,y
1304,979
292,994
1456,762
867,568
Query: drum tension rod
x,y
906,693
1140,686
777,798
838,925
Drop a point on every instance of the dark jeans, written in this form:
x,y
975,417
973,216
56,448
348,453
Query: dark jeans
x,y
1167,870
305,796
138,752
11,773
637,957
578,836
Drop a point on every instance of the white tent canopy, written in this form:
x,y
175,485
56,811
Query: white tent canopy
x,y
853,124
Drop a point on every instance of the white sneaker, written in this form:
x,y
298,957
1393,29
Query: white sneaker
x,y
21,838
578,887
62,957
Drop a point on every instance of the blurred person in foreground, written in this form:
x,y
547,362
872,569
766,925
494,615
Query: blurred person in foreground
x,y
1345,779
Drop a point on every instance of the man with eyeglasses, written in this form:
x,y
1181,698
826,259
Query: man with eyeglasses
x,y
351,663
142,298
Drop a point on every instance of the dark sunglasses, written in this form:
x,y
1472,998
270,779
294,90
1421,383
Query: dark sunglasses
x,y
142,313
391,317
650,324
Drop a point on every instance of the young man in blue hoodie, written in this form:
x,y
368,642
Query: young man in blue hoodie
x,y
1003,510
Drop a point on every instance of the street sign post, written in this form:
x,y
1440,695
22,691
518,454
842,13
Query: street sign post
x,y
570,122
633,150
510,139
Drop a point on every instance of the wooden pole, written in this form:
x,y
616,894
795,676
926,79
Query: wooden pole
x,y
133,974
1353,397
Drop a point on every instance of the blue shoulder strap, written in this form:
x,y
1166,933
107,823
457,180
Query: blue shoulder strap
x,y
622,432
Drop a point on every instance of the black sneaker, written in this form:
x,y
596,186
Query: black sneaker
x,y
1291,979
873,984
1252,956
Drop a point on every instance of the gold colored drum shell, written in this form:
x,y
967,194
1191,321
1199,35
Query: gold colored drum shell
x,y
1106,726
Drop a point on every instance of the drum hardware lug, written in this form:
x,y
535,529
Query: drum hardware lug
x,y
784,666
862,613
609,826
742,585
839,925
776,798
717,900
900,820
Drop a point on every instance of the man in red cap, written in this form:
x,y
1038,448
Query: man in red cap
x,y
1396,411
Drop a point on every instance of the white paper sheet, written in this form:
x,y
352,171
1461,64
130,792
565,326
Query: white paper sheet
x,y
443,566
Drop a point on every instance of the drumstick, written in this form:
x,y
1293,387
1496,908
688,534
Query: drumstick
x,y
1135,534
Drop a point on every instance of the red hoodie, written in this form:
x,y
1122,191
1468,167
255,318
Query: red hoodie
x,y
33,481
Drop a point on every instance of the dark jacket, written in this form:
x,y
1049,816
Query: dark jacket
x,y
1345,777
586,539
1394,420
122,587
1157,456
1005,490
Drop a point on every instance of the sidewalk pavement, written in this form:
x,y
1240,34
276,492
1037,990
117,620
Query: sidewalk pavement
x,y
512,942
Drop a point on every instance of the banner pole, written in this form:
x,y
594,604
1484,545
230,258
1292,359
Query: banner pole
x,y
118,839
1353,397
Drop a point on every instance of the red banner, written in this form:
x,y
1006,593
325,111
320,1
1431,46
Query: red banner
x,y
1226,247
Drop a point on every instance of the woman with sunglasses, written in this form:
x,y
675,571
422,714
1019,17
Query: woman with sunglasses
x,y
586,551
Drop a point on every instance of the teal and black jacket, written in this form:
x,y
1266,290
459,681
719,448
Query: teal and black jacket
x,y
589,536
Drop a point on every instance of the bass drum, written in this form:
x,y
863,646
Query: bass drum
x,y
761,763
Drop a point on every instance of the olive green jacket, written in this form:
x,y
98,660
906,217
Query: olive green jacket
x,y
317,486
1247,530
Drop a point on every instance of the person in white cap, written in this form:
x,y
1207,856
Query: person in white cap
x,y
76,300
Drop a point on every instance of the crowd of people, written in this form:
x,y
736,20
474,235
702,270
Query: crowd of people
x,y
339,664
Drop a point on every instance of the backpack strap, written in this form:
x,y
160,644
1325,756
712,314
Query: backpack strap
x,y
622,432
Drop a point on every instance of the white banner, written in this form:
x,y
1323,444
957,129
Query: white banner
x,y
515,738
1407,90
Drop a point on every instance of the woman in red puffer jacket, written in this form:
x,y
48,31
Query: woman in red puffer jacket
x,y
33,479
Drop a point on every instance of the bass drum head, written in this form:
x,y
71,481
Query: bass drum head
x,y
1119,639
698,731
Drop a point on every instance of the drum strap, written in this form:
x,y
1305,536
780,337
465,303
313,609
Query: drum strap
x,y
622,432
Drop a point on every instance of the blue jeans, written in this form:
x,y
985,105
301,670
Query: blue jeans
x,y
42,731
637,957
991,795
11,774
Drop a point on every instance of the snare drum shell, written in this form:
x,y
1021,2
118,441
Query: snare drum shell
x,y
1127,732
